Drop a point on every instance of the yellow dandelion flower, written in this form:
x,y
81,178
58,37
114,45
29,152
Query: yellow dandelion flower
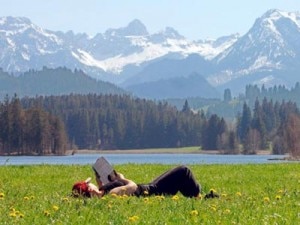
x,y
227,211
26,198
114,195
194,213
146,199
278,197
12,214
199,196
65,199
55,207
2,195
224,195
266,199
213,190
175,197
133,218
32,197
146,193
47,213
213,208
21,215
239,194
160,197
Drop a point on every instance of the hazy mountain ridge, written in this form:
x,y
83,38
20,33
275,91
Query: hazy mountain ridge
x,y
193,85
60,81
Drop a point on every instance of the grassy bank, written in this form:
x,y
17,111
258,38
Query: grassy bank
x,y
250,194
188,150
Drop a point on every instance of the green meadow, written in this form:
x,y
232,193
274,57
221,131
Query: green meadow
x,y
249,194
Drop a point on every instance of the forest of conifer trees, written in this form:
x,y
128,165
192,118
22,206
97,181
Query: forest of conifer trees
x,y
30,131
52,124
122,122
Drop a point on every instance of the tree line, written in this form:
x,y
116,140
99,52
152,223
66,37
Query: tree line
x,y
276,93
29,131
51,124
230,107
122,121
269,125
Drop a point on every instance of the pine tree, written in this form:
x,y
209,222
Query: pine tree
x,y
213,131
244,123
227,95
58,136
5,124
291,133
186,108
258,125
17,126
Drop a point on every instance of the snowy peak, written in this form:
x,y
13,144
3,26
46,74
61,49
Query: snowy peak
x,y
227,40
14,25
14,22
274,14
110,52
171,33
273,21
270,42
134,28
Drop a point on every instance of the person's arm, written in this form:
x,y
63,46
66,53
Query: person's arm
x,y
128,189
94,190
96,193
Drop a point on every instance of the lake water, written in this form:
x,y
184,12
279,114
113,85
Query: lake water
x,y
186,159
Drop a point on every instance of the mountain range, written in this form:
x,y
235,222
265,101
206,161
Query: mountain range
x,y
164,64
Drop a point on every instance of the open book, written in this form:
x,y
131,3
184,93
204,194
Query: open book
x,y
104,170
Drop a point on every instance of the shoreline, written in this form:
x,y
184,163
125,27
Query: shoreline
x,y
155,151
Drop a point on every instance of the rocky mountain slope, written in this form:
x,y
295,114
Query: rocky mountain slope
x,y
269,53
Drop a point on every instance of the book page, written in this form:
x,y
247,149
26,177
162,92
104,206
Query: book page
x,y
104,169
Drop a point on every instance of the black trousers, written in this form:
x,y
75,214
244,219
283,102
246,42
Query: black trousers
x,y
179,179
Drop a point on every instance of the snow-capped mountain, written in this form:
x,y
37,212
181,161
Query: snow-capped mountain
x,y
26,46
269,53
272,44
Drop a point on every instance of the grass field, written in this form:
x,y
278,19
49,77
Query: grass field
x,y
250,194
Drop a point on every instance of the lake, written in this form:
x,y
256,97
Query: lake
x,y
83,159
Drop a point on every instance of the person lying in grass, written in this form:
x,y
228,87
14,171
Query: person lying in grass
x,y
179,179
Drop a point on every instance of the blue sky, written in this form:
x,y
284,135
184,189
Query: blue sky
x,y
194,19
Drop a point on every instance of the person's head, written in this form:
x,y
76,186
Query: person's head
x,y
81,188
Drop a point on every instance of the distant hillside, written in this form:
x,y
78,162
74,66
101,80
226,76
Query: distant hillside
x,y
193,85
58,81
